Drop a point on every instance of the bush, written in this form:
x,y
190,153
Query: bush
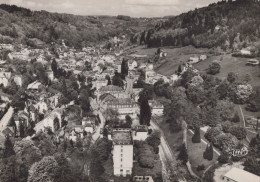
x,y
223,158
236,118
183,155
212,133
201,167
196,137
214,68
239,132
208,154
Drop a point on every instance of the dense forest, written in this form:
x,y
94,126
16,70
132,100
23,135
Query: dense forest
x,y
21,25
227,24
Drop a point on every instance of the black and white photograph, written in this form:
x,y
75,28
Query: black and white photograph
x,y
129,90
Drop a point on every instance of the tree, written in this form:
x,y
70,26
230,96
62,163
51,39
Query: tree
x,y
21,130
45,170
183,155
84,100
208,153
238,131
108,80
154,140
129,121
145,155
232,77
7,170
179,70
56,124
196,137
79,143
236,118
145,113
124,67
252,165
54,68
63,172
117,80
8,148
223,158
111,117
214,68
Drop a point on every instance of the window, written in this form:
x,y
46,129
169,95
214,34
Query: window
x,y
121,159
121,150
121,155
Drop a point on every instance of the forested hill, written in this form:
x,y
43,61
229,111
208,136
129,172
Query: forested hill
x,y
230,25
36,27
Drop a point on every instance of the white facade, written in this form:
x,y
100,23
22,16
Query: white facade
x,y
240,175
123,152
140,135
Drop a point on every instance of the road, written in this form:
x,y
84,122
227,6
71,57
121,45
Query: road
x,y
169,163
96,135
6,118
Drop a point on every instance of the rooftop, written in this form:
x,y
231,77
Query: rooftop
x,y
111,88
122,136
241,175
122,101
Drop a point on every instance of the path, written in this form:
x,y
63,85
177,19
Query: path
x,y
168,161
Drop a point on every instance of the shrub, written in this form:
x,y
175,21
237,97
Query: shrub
x,y
214,68
236,118
212,133
223,158
183,155
239,132
201,167
196,137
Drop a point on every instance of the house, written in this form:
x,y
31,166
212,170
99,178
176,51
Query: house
x,y
98,83
118,65
124,106
140,132
203,57
50,75
41,106
156,107
89,124
252,62
35,86
135,93
132,64
48,121
122,152
163,54
240,175
143,179
18,80
76,132
193,60
245,52
4,78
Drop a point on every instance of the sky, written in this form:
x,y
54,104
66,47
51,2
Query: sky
x,y
133,8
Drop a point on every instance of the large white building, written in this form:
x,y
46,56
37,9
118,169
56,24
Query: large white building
x,y
122,152
240,175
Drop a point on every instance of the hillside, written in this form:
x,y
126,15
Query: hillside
x,y
20,25
229,25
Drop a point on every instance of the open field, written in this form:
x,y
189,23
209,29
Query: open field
x,y
232,64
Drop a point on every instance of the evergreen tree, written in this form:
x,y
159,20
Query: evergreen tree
x,y
210,152
179,70
196,137
236,118
79,143
54,67
22,130
124,67
56,124
8,148
183,155
205,153
108,80
145,113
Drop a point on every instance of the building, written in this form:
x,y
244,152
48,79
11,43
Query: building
x,y
18,80
99,83
124,106
240,175
143,179
132,64
116,91
4,78
140,132
156,107
35,85
203,57
122,152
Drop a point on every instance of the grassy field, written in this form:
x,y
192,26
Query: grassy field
x,y
232,64
195,152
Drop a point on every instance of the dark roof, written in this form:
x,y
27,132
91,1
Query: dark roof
x,y
107,97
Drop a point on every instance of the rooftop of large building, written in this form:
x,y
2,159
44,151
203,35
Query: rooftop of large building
x,y
121,101
122,136
241,175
